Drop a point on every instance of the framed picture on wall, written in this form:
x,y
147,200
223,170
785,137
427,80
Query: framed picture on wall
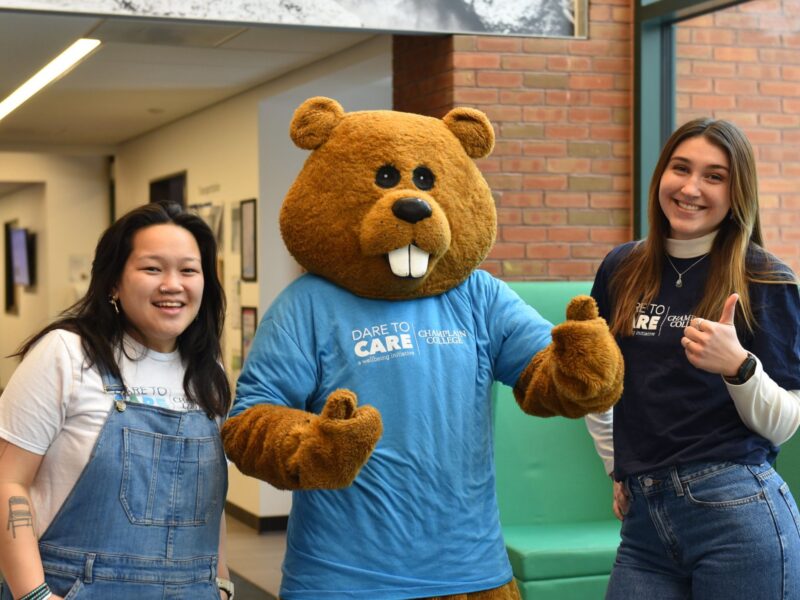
x,y
249,324
212,214
248,239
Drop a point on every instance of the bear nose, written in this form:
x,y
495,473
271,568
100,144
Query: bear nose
x,y
411,209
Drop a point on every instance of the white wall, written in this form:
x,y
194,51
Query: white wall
x,y
68,210
240,149
361,84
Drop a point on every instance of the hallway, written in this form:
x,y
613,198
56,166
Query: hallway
x,y
255,559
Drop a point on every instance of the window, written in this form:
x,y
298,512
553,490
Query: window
x,y
654,86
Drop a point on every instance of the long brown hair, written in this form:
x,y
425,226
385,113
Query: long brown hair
x,y
638,278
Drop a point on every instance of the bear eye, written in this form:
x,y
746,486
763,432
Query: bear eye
x,y
387,177
423,178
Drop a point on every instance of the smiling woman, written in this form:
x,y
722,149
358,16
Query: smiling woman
x,y
161,285
116,403
712,387
694,192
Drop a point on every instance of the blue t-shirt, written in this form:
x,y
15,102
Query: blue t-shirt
x,y
421,518
673,413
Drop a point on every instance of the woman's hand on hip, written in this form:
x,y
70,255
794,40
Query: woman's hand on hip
x,y
622,502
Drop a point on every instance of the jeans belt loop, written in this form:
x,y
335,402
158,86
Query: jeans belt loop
x,y
87,568
676,481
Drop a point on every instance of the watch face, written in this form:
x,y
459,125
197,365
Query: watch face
x,y
747,369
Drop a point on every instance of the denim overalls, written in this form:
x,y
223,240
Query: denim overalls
x,y
142,521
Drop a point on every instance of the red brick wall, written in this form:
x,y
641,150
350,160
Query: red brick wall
x,y
422,72
561,169
743,64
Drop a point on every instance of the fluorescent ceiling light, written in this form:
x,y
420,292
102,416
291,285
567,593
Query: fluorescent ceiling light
x,y
52,71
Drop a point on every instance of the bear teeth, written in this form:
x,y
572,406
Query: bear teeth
x,y
409,261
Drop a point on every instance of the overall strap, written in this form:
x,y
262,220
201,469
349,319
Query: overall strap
x,y
113,385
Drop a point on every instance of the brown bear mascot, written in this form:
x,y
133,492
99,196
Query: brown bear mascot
x,y
367,387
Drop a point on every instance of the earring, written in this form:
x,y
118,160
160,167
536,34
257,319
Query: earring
x,y
112,300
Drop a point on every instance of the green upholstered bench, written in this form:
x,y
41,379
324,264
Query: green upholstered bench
x,y
554,497
788,464
553,493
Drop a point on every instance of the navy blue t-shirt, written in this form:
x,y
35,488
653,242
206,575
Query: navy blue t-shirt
x,y
671,412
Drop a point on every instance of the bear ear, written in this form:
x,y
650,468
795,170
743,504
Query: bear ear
x,y
314,121
473,130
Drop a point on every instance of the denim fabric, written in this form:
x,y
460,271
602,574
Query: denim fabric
x,y
709,531
142,522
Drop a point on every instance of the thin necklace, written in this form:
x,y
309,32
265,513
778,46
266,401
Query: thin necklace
x,y
679,281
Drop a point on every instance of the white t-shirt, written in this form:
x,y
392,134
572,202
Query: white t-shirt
x,y
53,405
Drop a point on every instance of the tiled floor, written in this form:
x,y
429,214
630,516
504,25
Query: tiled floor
x,y
255,556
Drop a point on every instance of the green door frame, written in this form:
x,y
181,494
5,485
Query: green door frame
x,y
654,87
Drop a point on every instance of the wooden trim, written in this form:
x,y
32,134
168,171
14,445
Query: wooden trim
x,y
581,15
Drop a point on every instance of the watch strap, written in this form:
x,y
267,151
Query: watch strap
x,y
744,372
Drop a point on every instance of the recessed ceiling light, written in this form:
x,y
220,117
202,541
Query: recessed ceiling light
x,y
49,73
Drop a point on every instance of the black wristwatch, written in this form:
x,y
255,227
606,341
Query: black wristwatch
x,y
745,372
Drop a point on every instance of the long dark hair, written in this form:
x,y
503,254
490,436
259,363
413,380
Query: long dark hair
x,y
101,329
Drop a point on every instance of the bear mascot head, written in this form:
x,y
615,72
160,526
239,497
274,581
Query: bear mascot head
x,y
389,205
367,386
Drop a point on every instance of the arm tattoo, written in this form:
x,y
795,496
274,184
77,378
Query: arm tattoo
x,y
19,514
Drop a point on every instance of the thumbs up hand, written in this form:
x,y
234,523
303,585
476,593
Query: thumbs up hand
x,y
713,345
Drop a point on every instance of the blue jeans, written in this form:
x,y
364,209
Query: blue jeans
x,y
708,531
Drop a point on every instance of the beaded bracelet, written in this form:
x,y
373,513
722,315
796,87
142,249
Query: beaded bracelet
x,y
40,593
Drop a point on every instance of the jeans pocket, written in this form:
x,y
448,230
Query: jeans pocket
x,y
791,504
726,488
66,585
5,593
76,589
170,480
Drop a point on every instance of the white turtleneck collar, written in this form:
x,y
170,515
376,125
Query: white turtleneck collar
x,y
690,248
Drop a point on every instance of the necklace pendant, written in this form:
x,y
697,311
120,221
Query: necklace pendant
x,y
679,282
